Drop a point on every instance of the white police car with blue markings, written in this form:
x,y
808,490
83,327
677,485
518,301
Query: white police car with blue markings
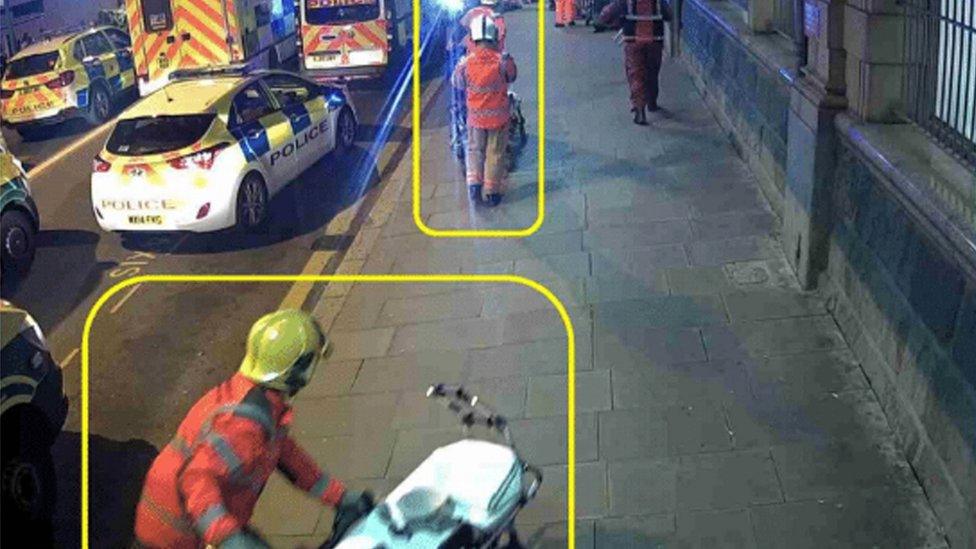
x,y
210,149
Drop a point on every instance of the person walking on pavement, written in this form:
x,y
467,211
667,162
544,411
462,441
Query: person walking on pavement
x,y
488,8
485,74
642,27
457,47
565,13
203,486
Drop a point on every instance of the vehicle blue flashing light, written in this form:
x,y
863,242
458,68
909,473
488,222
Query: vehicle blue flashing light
x,y
451,6
335,100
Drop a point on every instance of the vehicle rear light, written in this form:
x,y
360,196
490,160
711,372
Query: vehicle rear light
x,y
63,79
203,159
6,94
99,165
203,211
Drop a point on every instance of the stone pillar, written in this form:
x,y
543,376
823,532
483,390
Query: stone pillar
x,y
759,15
818,95
874,40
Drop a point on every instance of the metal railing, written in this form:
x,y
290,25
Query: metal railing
x,y
940,76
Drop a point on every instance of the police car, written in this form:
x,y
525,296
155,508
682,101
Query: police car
x,y
209,150
33,408
72,75
19,221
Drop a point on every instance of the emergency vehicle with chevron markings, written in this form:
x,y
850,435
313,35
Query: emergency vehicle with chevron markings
x,y
72,75
210,149
351,38
169,35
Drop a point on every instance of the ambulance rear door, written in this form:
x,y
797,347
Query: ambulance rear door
x,y
155,47
202,32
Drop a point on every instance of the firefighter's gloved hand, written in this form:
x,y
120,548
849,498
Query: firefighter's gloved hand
x,y
244,539
352,507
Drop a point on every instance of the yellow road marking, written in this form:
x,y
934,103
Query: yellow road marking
x,y
299,291
36,170
339,225
67,360
115,308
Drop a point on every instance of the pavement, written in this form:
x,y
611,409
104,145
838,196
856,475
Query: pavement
x,y
717,405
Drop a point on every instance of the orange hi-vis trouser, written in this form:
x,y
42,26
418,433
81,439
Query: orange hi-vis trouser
x,y
565,11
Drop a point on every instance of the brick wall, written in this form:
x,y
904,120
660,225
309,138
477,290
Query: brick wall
x,y
909,312
751,97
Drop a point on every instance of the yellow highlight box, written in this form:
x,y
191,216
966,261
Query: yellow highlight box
x,y
362,278
541,92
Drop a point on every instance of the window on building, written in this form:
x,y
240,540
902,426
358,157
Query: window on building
x,y
783,17
940,80
24,9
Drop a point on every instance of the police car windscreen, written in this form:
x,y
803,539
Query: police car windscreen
x,y
157,134
331,12
32,64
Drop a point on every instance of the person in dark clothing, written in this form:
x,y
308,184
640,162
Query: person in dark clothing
x,y
642,27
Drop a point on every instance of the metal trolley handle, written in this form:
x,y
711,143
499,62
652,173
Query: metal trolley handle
x,y
470,410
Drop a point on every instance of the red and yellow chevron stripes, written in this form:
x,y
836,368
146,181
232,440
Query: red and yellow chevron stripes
x,y
204,21
209,23
146,47
344,39
33,96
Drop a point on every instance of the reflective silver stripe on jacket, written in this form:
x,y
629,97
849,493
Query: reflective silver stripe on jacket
x,y
643,17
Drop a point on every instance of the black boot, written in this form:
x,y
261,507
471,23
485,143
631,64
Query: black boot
x,y
598,28
640,118
572,23
653,107
493,199
474,193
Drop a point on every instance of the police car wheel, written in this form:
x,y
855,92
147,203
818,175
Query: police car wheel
x,y
28,477
101,104
346,129
252,203
17,239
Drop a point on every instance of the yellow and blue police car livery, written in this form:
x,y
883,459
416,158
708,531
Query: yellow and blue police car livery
x,y
19,220
208,151
67,76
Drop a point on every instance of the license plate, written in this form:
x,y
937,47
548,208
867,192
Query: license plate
x,y
326,57
146,219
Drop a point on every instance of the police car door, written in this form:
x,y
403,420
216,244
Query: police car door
x,y
99,61
303,104
123,57
261,132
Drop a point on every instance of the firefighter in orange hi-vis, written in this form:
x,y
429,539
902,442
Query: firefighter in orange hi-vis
x,y
485,74
565,13
203,486
487,8
642,27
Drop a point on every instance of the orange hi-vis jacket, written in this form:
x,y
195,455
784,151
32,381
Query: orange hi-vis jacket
x,y
468,17
204,484
485,74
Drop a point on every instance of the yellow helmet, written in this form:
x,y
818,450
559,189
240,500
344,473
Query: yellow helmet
x,y
283,349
